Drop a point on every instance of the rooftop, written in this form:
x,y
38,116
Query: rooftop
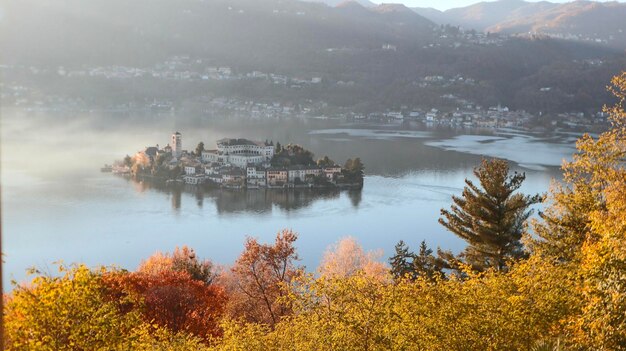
x,y
235,142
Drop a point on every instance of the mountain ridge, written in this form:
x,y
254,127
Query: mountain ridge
x,y
583,20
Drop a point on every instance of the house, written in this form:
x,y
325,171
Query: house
x,y
431,116
395,115
194,179
296,174
332,172
302,173
215,178
256,177
234,176
276,176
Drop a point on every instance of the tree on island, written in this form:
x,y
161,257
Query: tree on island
x,y
353,170
490,218
292,155
325,162
199,149
128,161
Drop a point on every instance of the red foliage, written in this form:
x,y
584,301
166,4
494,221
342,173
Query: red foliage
x,y
170,299
259,277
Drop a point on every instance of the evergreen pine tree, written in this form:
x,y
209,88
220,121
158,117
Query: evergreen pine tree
x,y
425,264
490,218
401,262
406,264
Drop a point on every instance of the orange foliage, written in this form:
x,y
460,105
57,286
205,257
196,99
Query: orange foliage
x,y
183,259
346,258
257,281
170,299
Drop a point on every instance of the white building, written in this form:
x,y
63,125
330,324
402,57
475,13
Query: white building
x,y
302,173
192,169
194,179
239,152
332,172
245,146
255,177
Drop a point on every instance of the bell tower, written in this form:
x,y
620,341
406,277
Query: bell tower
x,y
177,144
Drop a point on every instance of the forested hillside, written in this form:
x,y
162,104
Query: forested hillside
x,y
367,59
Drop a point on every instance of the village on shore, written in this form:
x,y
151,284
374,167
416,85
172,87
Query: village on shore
x,y
239,163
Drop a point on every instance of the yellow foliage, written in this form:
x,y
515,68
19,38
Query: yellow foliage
x,y
489,311
70,313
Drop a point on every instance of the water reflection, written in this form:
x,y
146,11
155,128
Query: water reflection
x,y
259,201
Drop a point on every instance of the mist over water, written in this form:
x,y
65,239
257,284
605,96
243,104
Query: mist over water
x,y
58,205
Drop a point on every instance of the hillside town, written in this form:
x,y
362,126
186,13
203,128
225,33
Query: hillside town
x,y
238,163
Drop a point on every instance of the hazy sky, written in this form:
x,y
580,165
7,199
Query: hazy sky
x,y
445,4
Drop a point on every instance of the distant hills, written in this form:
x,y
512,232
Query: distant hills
x,y
252,33
583,20
483,15
334,3
367,58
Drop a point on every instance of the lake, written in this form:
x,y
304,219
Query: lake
x,y
57,205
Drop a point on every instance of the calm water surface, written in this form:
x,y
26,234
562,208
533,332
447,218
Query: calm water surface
x,y
58,206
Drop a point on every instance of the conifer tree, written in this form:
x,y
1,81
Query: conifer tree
x,y
490,218
425,264
401,264
407,264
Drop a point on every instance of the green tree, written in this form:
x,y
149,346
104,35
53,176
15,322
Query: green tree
x,y
199,149
425,264
353,170
490,218
128,161
401,262
407,264
325,162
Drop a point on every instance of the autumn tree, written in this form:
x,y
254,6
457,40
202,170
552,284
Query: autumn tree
x,y
183,259
72,311
347,258
584,228
170,299
259,279
486,311
490,218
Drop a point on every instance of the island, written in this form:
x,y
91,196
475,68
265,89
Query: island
x,y
238,163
